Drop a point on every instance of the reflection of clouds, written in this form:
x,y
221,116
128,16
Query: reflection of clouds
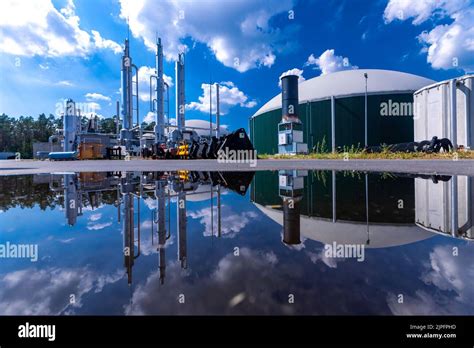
x,y
146,246
331,262
94,225
98,226
95,217
251,283
449,275
453,273
296,247
47,291
231,222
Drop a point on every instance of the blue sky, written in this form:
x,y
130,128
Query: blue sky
x,y
52,50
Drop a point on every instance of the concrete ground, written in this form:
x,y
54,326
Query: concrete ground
x,y
442,167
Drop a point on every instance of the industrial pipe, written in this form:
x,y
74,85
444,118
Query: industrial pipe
x,y
454,131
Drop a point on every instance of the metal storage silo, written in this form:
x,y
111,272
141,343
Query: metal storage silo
x,y
446,110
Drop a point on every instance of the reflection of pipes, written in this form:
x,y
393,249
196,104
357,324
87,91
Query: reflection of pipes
x,y
181,227
218,210
71,202
367,206
160,219
454,206
128,229
333,196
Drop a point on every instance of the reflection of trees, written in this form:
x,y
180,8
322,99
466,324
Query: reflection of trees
x,y
20,191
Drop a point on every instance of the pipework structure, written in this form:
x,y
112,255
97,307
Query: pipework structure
x,y
128,109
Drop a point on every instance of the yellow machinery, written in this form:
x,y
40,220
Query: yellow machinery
x,y
183,150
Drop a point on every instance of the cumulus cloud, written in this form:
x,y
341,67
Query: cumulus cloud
x,y
96,96
100,42
329,63
294,71
149,117
239,33
229,95
447,45
144,73
36,27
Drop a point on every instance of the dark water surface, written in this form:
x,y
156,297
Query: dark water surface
x,y
236,243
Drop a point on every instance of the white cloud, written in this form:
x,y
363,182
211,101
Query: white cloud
x,y
36,27
144,73
102,43
229,95
96,96
231,222
329,63
65,83
239,33
150,117
294,71
447,45
204,124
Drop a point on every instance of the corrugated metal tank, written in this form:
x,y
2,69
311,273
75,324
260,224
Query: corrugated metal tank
x,y
434,114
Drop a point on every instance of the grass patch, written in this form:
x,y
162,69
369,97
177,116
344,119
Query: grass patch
x,y
386,155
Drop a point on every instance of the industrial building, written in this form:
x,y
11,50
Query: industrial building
x,y
332,108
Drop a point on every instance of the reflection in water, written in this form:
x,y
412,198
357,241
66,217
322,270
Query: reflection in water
x,y
200,236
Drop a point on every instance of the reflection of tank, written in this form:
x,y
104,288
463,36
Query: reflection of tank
x,y
337,212
446,206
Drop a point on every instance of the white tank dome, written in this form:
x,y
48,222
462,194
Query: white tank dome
x,y
352,83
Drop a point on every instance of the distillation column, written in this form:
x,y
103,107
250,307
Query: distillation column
x,y
159,115
180,96
126,135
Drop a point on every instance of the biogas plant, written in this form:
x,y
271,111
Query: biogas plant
x,y
167,140
363,109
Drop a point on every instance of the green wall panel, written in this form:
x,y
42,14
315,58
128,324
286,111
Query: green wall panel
x,y
316,118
